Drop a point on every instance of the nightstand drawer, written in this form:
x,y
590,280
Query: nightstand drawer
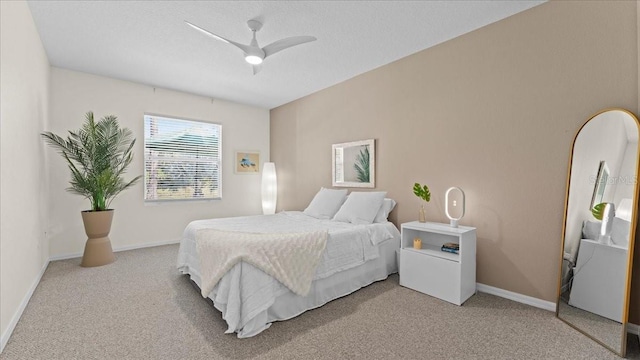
x,y
430,275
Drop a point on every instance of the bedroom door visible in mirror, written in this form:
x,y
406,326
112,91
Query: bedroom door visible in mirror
x,y
598,240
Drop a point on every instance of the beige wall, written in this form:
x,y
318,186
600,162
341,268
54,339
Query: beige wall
x,y
24,95
494,112
136,224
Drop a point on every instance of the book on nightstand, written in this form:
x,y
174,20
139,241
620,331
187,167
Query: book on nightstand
x,y
451,247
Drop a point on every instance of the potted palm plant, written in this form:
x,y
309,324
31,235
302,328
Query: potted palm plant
x,y
98,155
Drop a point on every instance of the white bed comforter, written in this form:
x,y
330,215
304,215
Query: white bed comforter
x,y
245,292
290,258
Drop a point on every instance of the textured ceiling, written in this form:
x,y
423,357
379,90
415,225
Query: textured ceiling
x,y
148,42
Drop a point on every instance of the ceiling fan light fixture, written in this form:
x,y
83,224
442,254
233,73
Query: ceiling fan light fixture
x,y
253,59
253,53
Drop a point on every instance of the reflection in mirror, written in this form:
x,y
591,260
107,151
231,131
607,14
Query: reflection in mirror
x,y
600,184
599,229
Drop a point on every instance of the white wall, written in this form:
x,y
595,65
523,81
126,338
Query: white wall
x,y
627,177
24,99
135,224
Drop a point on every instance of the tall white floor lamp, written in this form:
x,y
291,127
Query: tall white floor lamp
x,y
269,188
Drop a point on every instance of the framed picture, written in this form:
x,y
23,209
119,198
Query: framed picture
x,y
354,164
247,162
600,185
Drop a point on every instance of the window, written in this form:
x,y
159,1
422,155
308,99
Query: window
x,y
181,159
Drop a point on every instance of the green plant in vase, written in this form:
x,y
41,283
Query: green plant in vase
x,y
422,191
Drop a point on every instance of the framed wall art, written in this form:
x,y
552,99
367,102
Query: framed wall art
x,y
247,162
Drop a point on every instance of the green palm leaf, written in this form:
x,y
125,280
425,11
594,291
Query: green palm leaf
x,y
97,155
362,165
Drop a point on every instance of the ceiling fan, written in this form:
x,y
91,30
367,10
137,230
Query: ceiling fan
x,y
254,54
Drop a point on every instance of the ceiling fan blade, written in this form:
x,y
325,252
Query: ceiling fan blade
x,y
244,48
280,45
256,68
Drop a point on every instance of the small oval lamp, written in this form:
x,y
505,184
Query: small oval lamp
x,y
269,188
456,202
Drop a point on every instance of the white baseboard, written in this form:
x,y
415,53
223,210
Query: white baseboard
x,y
146,245
4,339
524,299
122,248
535,302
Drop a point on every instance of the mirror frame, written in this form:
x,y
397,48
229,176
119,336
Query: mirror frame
x,y
632,238
338,165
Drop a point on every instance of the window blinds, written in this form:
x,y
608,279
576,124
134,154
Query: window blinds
x,y
182,159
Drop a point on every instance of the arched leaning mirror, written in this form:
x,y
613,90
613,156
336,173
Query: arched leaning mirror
x,y
600,227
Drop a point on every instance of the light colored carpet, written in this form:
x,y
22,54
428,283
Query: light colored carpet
x,y
140,308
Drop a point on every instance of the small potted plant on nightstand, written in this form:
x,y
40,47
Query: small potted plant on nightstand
x,y
422,191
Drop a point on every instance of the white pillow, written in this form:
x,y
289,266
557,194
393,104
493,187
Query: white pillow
x,y
326,203
385,209
591,229
360,207
620,232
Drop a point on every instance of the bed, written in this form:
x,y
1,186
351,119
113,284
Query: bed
x,y
356,254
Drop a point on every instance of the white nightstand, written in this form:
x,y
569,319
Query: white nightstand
x,y
450,277
599,279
